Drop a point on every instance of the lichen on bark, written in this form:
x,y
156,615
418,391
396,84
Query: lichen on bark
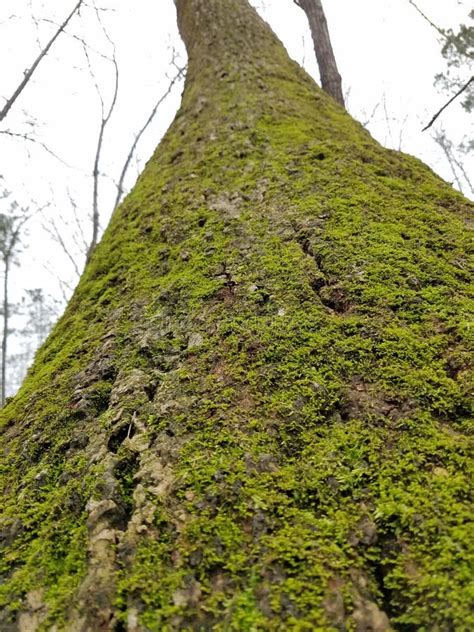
x,y
254,413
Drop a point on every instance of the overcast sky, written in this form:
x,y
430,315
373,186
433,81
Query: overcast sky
x,y
387,55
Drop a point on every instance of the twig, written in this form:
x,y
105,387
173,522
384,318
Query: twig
x,y
78,222
63,285
29,73
439,112
387,120
371,115
427,19
105,118
149,120
446,145
31,139
81,40
401,132
13,16
56,235
35,22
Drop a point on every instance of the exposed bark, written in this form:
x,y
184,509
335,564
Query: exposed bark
x,y
330,78
252,414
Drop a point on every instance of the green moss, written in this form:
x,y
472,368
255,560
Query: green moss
x,y
297,302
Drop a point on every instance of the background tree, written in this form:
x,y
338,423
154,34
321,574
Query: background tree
x,y
11,224
253,411
456,83
35,316
458,51
331,80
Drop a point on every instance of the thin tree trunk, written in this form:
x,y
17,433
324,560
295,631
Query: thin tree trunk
x,y
330,78
106,115
6,315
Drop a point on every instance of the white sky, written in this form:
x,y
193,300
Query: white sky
x,y
387,55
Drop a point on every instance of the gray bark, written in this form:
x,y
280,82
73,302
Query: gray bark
x,y
330,78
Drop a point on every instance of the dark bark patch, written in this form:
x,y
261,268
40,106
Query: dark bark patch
x,y
124,472
335,299
126,431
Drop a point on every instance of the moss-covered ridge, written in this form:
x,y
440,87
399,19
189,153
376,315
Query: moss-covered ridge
x,y
254,413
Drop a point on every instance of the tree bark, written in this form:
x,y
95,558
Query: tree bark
x,y
330,78
253,413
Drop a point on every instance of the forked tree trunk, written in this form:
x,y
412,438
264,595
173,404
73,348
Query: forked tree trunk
x,y
330,78
252,415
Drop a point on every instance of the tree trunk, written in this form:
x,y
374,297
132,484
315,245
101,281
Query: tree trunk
x,y
252,415
330,78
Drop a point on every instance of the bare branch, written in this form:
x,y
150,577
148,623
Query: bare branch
x,y
55,233
133,147
439,136
11,17
401,132
387,120
79,39
105,118
65,288
96,173
440,139
32,139
370,117
441,31
439,112
29,73
35,22
78,222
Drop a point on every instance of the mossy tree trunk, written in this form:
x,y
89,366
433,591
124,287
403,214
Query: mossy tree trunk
x,y
253,414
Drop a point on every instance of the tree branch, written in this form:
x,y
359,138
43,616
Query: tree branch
x,y
427,19
439,112
439,136
55,233
29,73
31,139
133,147
105,118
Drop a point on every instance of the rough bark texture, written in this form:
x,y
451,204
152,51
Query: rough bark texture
x,y
253,414
330,78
